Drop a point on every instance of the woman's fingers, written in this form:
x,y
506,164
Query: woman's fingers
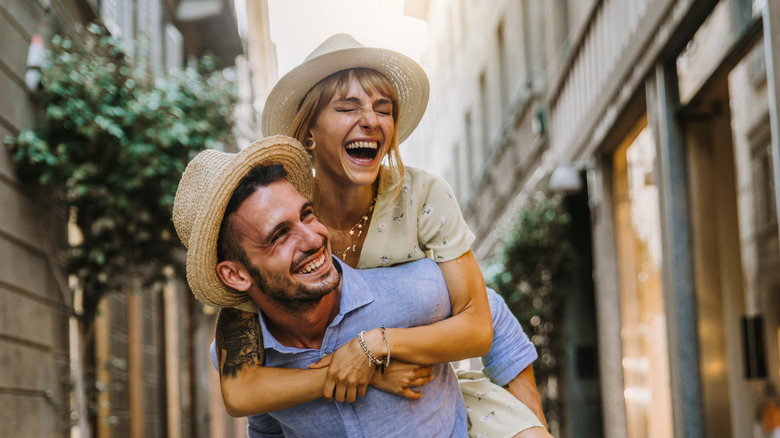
x,y
424,371
328,389
409,394
351,394
322,363
421,381
340,393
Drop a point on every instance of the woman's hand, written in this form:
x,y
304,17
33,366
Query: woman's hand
x,y
400,377
349,372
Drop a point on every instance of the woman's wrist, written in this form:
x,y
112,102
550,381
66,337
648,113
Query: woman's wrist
x,y
375,343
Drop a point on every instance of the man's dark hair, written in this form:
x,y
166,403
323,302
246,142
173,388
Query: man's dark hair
x,y
228,242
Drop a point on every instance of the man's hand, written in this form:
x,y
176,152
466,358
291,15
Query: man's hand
x,y
400,377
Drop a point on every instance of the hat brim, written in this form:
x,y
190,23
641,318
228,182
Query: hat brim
x,y
202,247
406,75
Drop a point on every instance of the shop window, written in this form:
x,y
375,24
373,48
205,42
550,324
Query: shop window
x,y
757,65
642,313
764,193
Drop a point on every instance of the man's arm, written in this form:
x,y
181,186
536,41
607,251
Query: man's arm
x,y
248,387
509,361
238,339
523,387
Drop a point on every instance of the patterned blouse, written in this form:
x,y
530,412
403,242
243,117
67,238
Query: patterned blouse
x,y
424,220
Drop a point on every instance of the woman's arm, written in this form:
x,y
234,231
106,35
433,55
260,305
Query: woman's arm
x,y
249,388
468,333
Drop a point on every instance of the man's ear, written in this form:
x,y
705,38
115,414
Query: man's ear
x,y
234,275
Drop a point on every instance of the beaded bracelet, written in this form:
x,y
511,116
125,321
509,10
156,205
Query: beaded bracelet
x,y
371,358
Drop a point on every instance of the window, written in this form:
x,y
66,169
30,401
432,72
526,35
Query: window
x,y
642,313
484,116
764,190
502,66
470,150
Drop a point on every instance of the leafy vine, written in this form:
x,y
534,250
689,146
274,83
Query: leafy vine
x,y
110,142
530,272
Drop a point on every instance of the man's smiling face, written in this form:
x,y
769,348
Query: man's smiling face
x,y
287,248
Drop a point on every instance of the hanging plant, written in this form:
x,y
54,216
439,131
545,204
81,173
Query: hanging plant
x,y
529,272
110,143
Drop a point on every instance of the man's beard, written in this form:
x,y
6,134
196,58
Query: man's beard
x,y
294,298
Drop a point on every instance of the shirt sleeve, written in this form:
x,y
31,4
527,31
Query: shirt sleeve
x,y
263,426
440,224
213,354
512,351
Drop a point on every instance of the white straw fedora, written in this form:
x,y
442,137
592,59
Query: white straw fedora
x,y
205,188
341,52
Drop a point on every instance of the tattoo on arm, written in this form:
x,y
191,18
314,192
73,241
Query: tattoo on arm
x,y
239,341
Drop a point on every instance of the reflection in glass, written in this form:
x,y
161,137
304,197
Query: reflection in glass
x,y
643,320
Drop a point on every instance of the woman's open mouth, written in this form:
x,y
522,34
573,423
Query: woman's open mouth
x,y
363,151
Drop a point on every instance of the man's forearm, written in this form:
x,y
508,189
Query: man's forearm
x,y
248,387
523,387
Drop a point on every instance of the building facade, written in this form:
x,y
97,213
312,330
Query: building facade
x,y
666,111
149,353
35,299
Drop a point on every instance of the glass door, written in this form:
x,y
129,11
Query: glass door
x,y
639,256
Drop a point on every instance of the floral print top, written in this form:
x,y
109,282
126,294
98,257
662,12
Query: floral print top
x,y
424,220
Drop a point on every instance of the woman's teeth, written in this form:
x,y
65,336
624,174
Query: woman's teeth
x,y
362,145
363,150
313,266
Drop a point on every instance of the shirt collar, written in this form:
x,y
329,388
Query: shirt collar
x,y
355,293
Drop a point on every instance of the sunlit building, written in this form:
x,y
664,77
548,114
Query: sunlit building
x,y
663,115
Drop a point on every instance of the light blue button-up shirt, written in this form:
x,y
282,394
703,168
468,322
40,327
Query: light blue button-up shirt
x,y
408,295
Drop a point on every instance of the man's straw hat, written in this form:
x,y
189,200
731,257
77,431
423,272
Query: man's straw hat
x,y
342,52
203,194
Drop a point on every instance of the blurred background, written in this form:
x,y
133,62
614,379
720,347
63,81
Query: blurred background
x,y
615,158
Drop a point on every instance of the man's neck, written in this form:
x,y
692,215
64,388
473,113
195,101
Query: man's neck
x,y
302,329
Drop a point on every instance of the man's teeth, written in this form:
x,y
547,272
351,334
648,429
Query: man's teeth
x,y
313,266
362,145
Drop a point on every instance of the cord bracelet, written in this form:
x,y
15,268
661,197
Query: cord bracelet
x,y
387,344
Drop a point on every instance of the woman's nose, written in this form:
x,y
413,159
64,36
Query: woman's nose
x,y
369,119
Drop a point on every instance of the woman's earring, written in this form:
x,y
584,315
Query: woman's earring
x,y
309,144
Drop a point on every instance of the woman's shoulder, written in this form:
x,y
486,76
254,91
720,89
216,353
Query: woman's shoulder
x,y
414,180
414,172
416,177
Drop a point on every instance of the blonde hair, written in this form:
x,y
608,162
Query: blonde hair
x,y
321,94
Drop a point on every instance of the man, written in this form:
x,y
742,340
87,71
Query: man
x,y
271,248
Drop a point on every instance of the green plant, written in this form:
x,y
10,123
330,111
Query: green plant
x,y
530,272
110,142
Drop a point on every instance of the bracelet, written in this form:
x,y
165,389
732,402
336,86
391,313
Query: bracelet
x,y
387,344
371,358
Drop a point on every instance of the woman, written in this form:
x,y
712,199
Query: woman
x,y
350,106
